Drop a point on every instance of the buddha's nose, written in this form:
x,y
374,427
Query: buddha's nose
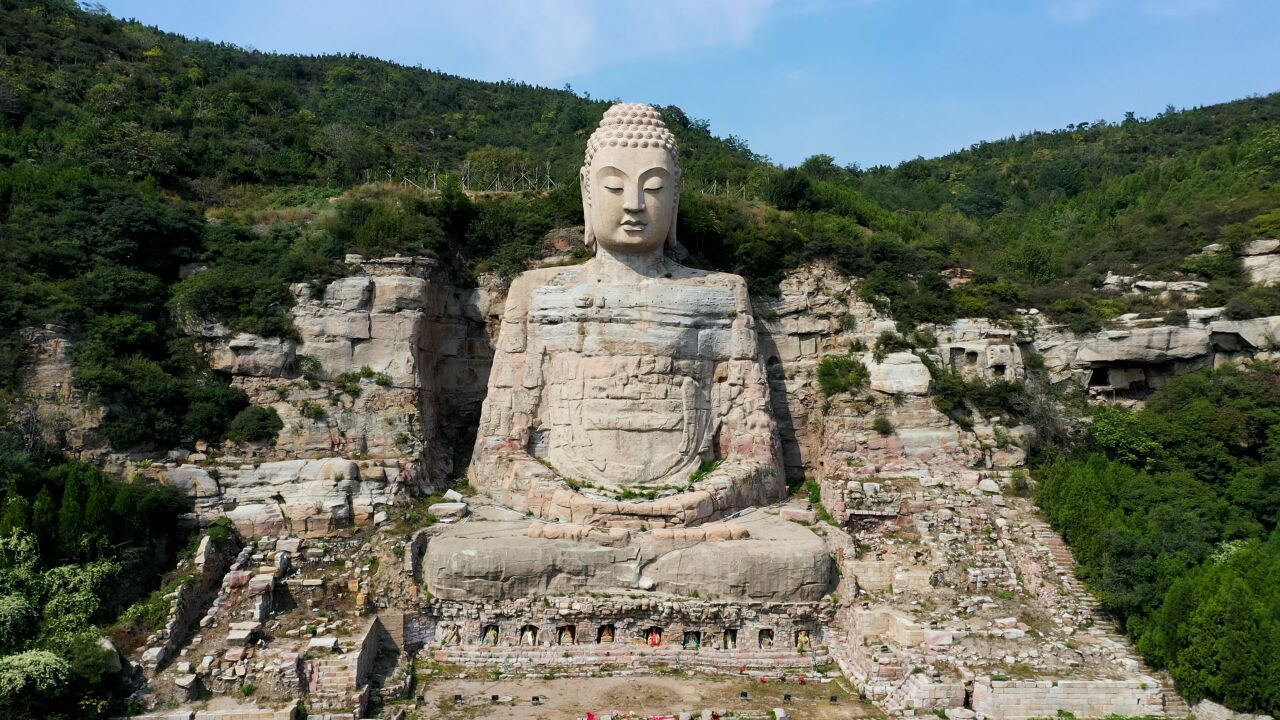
x,y
633,199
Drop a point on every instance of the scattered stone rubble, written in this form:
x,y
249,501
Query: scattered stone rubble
x,y
1163,288
290,620
211,561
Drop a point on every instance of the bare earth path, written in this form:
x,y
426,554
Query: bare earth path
x,y
564,698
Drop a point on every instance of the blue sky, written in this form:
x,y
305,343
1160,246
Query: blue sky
x,y
867,81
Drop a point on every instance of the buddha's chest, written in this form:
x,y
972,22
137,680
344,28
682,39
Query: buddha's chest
x,y
657,319
620,420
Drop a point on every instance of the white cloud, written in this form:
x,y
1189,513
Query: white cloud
x,y
1181,8
554,40
1080,11
1074,11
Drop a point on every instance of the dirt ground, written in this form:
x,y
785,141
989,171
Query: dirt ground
x,y
567,698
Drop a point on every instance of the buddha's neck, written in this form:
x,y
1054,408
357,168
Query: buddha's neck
x,y
651,264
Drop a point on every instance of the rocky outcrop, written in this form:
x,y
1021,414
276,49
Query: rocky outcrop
x,y
253,356
1261,261
981,348
899,373
1209,710
1147,345
817,312
380,359
50,406
1163,288
306,497
1131,362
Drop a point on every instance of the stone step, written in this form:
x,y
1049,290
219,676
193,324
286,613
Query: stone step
x,y
1175,706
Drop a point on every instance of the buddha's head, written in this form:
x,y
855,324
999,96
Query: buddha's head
x,y
631,182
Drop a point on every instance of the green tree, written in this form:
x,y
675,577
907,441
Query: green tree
x,y
98,518
256,423
17,622
71,525
30,682
1224,657
44,521
15,515
841,373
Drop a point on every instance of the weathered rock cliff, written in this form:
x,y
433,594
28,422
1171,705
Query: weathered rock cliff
x,y
389,368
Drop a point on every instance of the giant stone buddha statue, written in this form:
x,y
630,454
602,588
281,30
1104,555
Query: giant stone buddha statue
x,y
623,376
626,427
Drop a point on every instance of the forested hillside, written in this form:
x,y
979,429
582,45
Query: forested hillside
x,y
1050,213
1171,512
82,89
116,139
122,142
127,153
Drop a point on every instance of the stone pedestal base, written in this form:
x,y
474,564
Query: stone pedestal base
x,y
758,557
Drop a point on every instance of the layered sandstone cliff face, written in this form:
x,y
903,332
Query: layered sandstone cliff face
x,y
391,364
50,404
819,313
416,347
379,394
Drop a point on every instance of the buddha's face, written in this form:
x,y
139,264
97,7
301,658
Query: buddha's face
x,y
633,197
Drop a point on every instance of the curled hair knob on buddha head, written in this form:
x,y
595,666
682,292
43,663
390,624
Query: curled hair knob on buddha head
x,y
629,125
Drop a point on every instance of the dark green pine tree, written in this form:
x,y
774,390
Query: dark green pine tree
x,y
16,514
1223,660
124,511
44,522
71,516
98,520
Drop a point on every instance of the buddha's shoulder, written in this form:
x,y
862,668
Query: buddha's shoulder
x,y
568,275
530,279
710,278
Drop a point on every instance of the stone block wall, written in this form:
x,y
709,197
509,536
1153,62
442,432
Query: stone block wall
x,y
209,565
594,657
1023,699
289,712
370,640
855,635
921,691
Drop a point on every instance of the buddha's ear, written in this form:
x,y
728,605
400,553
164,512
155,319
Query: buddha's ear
x,y
672,243
588,235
